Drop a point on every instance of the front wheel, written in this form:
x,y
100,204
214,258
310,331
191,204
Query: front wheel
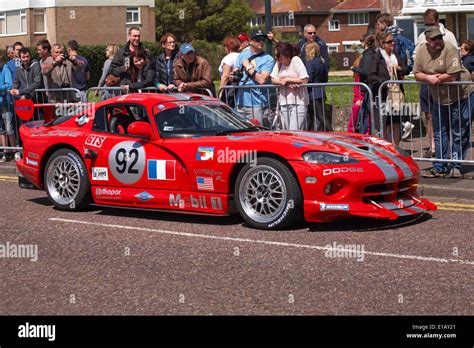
x,y
268,195
66,180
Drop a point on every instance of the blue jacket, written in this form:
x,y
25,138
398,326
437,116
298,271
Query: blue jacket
x,y
322,47
5,82
318,73
468,62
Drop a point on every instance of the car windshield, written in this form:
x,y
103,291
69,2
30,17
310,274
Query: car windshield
x,y
195,120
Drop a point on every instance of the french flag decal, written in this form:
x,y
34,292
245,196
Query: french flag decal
x,y
161,170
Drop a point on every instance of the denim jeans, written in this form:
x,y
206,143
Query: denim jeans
x,y
451,122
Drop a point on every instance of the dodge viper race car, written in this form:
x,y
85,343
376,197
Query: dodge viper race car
x,y
190,153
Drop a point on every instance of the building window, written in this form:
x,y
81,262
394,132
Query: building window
x,y
470,27
334,25
133,15
3,24
13,23
283,20
255,22
333,48
361,18
39,19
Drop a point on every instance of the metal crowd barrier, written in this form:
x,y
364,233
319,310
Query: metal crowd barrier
x,y
439,133
103,93
330,108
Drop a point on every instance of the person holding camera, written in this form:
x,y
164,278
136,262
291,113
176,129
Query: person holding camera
x,y
58,70
80,76
227,69
256,65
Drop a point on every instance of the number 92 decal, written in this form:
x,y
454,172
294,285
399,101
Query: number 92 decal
x,y
127,161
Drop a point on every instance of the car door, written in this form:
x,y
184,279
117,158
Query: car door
x,y
140,166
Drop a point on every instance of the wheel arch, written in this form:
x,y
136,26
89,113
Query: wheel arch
x,y
48,154
238,167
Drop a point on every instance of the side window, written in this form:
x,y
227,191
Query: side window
x,y
99,120
116,118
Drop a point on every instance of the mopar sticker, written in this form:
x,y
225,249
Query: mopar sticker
x,y
205,153
127,162
100,173
325,207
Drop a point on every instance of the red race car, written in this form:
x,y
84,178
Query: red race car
x,y
191,153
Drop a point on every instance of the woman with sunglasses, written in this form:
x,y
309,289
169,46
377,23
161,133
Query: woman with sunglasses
x,y
387,65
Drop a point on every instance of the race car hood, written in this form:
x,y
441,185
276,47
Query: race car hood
x,y
292,144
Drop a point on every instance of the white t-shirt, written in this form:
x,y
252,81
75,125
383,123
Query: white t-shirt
x,y
230,59
295,69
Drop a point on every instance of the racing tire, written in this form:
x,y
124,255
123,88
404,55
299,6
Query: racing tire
x,y
267,195
66,181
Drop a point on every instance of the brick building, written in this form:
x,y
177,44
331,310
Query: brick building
x,y
87,21
340,24
456,15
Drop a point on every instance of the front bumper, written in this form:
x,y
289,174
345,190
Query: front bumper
x,y
316,211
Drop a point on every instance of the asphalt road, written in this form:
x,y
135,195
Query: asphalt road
x,y
118,261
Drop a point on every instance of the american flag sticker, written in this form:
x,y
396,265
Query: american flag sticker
x,y
161,170
204,183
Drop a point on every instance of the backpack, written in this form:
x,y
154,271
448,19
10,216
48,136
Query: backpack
x,y
404,48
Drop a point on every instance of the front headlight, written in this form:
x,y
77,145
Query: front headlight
x,y
327,158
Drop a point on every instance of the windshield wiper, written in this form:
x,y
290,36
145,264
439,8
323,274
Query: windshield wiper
x,y
230,131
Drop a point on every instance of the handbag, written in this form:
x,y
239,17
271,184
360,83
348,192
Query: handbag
x,y
112,80
395,96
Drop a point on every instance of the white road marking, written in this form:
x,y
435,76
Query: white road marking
x,y
267,242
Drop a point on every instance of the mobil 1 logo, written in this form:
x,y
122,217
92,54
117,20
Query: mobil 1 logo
x,y
127,161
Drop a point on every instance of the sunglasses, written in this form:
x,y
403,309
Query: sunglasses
x,y
389,41
259,39
429,24
312,33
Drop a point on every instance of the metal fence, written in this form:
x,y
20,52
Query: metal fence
x,y
326,107
315,106
437,126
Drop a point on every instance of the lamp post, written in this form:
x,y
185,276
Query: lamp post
x,y
268,23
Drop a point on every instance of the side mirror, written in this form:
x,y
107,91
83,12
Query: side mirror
x,y
140,128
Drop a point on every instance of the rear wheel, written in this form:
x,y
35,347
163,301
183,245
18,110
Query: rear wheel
x,y
66,180
267,195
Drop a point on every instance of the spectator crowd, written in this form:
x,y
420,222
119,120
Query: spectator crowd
x,y
388,55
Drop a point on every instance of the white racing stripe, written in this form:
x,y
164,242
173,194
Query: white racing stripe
x,y
266,242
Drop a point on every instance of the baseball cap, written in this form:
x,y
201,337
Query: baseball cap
x,y
243,37
258,34
186,48
432,32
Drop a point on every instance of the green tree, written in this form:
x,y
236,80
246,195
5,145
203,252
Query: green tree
x,y
177,18
232,19
208,20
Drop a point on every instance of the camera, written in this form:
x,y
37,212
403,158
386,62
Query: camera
x,y
236,76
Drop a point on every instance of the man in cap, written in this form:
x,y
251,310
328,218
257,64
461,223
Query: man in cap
x,y
256,66
431,18
437,62
192,72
